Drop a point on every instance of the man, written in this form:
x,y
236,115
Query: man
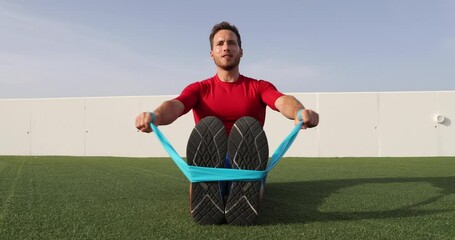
x,y
229,111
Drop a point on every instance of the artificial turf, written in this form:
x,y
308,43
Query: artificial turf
x,y
147,198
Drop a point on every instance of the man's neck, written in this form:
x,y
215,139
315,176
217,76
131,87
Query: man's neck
x,y
228,76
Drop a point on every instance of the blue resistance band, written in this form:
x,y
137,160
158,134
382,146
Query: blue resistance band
x,y
207,174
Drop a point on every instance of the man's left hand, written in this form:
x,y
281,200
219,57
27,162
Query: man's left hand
x,y
310,118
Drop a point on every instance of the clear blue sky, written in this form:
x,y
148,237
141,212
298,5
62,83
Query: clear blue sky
x,y
55,48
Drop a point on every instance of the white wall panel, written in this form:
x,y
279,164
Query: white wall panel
x,y
109,126
15,127
348,124
57,127
446,130
407,126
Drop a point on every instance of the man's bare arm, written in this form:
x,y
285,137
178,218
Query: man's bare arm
x,y
289,106
165,114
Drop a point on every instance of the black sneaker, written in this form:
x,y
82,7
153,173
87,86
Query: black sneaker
x,y
247,149
207,147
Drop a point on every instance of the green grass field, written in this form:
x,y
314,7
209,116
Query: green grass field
x,y
306,198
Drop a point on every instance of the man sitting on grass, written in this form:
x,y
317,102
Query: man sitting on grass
x,y
229,111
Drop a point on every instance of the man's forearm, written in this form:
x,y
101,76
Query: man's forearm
x,y
168,112
288,106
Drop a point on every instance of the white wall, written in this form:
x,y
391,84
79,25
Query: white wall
x,y
351,124
15,122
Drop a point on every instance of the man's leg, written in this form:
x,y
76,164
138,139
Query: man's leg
x,y
207,147
247,149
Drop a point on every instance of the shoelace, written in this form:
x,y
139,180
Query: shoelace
x,y
207,174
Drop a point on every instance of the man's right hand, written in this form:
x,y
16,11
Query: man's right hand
x,y
143,121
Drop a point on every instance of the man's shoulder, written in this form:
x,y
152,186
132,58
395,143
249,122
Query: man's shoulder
x,y
207,81
251,80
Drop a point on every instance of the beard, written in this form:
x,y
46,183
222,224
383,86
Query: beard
x,y
229,65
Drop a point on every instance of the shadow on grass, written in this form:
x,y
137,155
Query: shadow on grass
x,y
300,202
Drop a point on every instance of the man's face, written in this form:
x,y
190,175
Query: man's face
x,y
226,52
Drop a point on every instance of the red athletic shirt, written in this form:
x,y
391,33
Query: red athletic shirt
x,y
229,101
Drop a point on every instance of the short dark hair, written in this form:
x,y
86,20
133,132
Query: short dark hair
x,y
224,26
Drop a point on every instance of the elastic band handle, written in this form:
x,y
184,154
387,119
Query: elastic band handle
x,y
153,117
299,115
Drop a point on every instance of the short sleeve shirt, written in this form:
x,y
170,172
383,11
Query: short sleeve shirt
x,y
229,101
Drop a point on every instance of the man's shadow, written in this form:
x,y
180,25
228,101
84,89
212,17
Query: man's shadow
x,y
300,202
